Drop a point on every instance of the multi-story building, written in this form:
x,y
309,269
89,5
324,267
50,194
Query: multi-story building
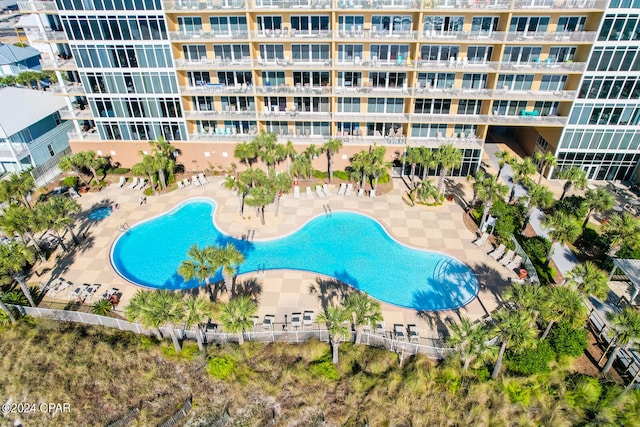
x,y
206,74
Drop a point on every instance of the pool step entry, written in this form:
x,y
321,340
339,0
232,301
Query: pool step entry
x,y
327,210
249,235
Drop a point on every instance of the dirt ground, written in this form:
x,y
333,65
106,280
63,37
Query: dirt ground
x,y
587,364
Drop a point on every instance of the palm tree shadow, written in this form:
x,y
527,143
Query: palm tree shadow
x,y
436,321
457,190
329,291
249,287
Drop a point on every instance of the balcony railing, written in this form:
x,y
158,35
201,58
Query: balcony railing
x,y
292,4
509,36
494,119
34,6
47,36
288,63
60,64
7,153
207,63
219,115
67,88
92,135
202,35
292,34
461,141
76,113
378,4
208,5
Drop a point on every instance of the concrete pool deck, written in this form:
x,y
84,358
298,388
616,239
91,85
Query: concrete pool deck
x,y
283,292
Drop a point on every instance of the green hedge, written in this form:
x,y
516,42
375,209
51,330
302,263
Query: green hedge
x,y
118,171
70,181
567,340
532,360
537,248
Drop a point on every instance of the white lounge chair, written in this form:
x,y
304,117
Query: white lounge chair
x,y
361,192
64,285
180,186
497,252
307,318
196,181
380,328
349,191
309,193
296,191
481,240
506,259
342,190
400,332
120,183
141,184
319,191
296,320
325,190
134,183
267,322
202,178
414,335
186,182
514,263
372,194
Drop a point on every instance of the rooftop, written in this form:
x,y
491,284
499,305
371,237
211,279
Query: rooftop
x,y
10,54
20,108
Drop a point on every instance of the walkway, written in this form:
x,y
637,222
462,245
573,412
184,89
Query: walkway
x,y
283,292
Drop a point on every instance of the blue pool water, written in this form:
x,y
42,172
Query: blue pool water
x,y
99,213
350,247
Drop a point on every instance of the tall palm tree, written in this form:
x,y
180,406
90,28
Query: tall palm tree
x,y
470,340
246,152
561,303
426,191
196,311
259,198
138,307
428,160
599,201
70,163
200,265
575,177
528,298
504,158
235,315
301,166
364,310
522,172
622,230
490,190
8,312
14,257
336,319
22,221
289,154
514,330
164,165
269,151
564,229
238,186
252,177
148,166
448,157
331,148
538,196
102,307
21,185
546,160
589,280
413,157
229,259
626,325
67,207
378,165
281,183
359,165
49,218
477,179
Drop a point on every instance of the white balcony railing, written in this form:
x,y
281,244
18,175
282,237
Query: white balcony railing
x,y
60,64
33,6
202,35
195,5
67,88
92,135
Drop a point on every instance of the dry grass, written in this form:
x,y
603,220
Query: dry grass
x,y
103,373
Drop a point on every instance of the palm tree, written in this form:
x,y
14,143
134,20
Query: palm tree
x,y
561,303
477,179
289,154
301,166
20,220
66,207
589,280
359,166
14,257
196,311
331,147
377,166
336,319
564,229
259,198
425,191
229,259
239,187
522,172
599,201
413,157
252,177
428,161
622,230
488,191
21,185
51,219
514,331
8,312
246,152
102,307
538,196
71,163
201,265
235,315
138,307
281,183
83,160
448,157
575,177
626,325
470,340
528,298
269,151
546,160
148,166
364,310
504,157
164,158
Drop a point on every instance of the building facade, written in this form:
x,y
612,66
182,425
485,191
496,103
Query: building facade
x,y
206,74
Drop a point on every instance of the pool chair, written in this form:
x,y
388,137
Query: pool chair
x,y
342,190
308,193
185,182
481,240
506,259
75,294
319,191
399,332
497,252
267,322
55,284
514,263
133,183
307,318
372,194
361,192
180,186
380,328
414,335
255,320
64,285
296,191
325,190
296,320
120,183
141,184
195,181
202,178
349,191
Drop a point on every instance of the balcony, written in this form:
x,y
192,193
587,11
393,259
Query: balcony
x,y
494,119
509,36
374,62
459,141
492,67
358,34
372,117
208,5
48,36
292,35
292,4
288,63
219,115
35,6
76,114
59,65
208,64
217,89
379,4
294,115
91,135
582,5
507,5
67,88
201,35
7,152
298,90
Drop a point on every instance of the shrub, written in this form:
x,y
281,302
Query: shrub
x,y
517,393
118,171
481,373
341,175
567,340
320,174
324,368
572,205
221,367
586,392
531,360
384,178
509,219
537,247
71,181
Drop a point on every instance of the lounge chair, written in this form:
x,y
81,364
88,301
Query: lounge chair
x,y
64,285
296,320
267,322
319,191
196,181
307,318
309,193
120,183
342,190
296,191
202,178
399,332
514,263
325,190
134,183
414,335
55,284
185,182
141,184
180,186
349,191
481,240
372,194
75,294
497,252
380,328
255,320
361,192
506,259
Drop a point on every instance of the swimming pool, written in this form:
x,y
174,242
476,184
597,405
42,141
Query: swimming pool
x,y
351,247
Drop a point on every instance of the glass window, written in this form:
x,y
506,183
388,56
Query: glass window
x,y
571,23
